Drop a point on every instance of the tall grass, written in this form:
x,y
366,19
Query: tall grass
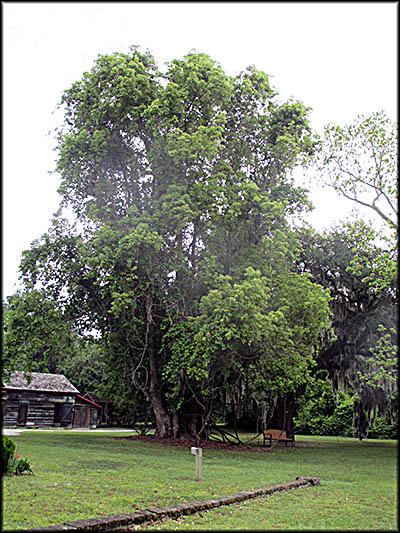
x,y
84,475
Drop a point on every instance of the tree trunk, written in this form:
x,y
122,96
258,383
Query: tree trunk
x,y
162,418
169,422
284,413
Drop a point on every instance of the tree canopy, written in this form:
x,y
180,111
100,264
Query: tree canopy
x,y
181,257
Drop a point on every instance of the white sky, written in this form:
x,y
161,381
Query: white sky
x,y
338,58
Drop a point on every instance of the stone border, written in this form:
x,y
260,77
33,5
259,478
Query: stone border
x,y
109,523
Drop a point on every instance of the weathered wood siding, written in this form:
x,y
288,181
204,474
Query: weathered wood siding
x,y
32,408
83,416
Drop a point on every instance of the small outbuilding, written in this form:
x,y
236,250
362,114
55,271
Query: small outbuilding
x,y
105,414
86,413
45,400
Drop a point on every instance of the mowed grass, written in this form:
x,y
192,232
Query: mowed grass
x,y
85,475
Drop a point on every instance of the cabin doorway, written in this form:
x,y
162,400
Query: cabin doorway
x,y
22,413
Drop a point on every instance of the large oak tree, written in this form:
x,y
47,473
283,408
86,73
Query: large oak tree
x,y
181,257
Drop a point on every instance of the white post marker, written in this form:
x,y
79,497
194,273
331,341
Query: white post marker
x,y
198,452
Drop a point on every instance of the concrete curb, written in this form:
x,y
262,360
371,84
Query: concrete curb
x,y
124,520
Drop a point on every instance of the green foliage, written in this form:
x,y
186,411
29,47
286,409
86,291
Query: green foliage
x,y
22,466
375,256
381,366
129,404
244,331
321,412
8,452
359,161
384,429
85,367
37,332
13,465
182,257
361,354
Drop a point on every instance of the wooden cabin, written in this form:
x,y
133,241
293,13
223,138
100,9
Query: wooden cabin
x,y
45,400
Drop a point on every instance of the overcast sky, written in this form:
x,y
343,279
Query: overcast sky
x,y
338,58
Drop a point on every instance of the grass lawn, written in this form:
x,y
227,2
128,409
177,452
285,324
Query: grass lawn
x,y
83,475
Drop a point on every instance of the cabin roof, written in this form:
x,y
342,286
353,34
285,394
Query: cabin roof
x,y
88,401
40,382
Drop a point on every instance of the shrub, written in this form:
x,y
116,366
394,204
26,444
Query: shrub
x,y
13,465
383,429
340,422
23,466
319,413
7,453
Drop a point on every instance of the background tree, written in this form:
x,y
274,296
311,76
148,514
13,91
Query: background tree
x,y
321,412
361,355
360,162
183,260
36,333
85,367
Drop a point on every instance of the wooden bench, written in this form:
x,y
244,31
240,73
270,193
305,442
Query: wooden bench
x,y
277,435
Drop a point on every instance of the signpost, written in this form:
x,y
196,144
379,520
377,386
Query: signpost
x,y
198,452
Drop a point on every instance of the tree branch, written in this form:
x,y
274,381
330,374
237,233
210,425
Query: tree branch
x,y
371,206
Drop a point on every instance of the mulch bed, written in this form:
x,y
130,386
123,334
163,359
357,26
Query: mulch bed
x,y
213,445
183,443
